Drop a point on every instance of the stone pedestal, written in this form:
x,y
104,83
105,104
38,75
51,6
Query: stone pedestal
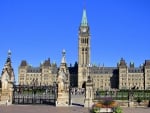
x,y
63,99
131,104
6,96
88,103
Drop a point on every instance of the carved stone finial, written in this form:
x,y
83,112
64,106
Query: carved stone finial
x,y
63,56
9,53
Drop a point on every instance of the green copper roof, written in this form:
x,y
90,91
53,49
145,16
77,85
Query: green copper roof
x,y
84,21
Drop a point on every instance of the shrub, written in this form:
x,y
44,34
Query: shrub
x,y
139,100
118,110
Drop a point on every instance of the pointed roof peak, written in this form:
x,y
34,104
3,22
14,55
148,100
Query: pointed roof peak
x,y
84,21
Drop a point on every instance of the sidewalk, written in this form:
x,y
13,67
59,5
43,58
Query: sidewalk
x,y
53,109
41,109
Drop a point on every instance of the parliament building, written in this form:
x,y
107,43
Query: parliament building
x,y
104,78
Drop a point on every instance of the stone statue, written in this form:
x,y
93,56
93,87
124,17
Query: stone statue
x,y
5,84
5,78
61,81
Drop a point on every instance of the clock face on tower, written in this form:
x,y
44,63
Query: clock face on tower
x,y
84,30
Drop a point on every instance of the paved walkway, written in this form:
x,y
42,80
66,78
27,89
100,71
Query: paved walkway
x,y
52,109
136,110
41,109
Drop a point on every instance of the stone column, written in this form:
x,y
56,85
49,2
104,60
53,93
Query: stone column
x,y
130,99
62,98
7,95
11,89
88,101
7,79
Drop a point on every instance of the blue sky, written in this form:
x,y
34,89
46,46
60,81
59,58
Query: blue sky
x,y
37,29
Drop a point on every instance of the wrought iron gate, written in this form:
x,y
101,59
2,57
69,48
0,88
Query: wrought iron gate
x,y
34,94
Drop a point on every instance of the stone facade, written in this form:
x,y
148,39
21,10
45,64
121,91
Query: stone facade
x,y
108,78
121,76
134,77
45,74
105,78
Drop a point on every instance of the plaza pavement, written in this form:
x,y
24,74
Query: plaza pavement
x,y
53,109
77,100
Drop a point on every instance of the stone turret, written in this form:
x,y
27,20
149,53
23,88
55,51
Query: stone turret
x,y
146,74
123,72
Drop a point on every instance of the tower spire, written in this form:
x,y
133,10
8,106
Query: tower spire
x,y
84,21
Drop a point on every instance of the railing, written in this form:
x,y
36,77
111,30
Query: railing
x,y
34,94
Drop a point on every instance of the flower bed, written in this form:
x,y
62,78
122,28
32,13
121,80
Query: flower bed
x,y
106,105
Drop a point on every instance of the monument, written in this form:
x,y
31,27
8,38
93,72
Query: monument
x,y
7,81
88,101
63,81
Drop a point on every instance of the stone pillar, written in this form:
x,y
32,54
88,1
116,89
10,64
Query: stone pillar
x,y
11,89
88,101
131,99
63,81
7,80
7,95
62,98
